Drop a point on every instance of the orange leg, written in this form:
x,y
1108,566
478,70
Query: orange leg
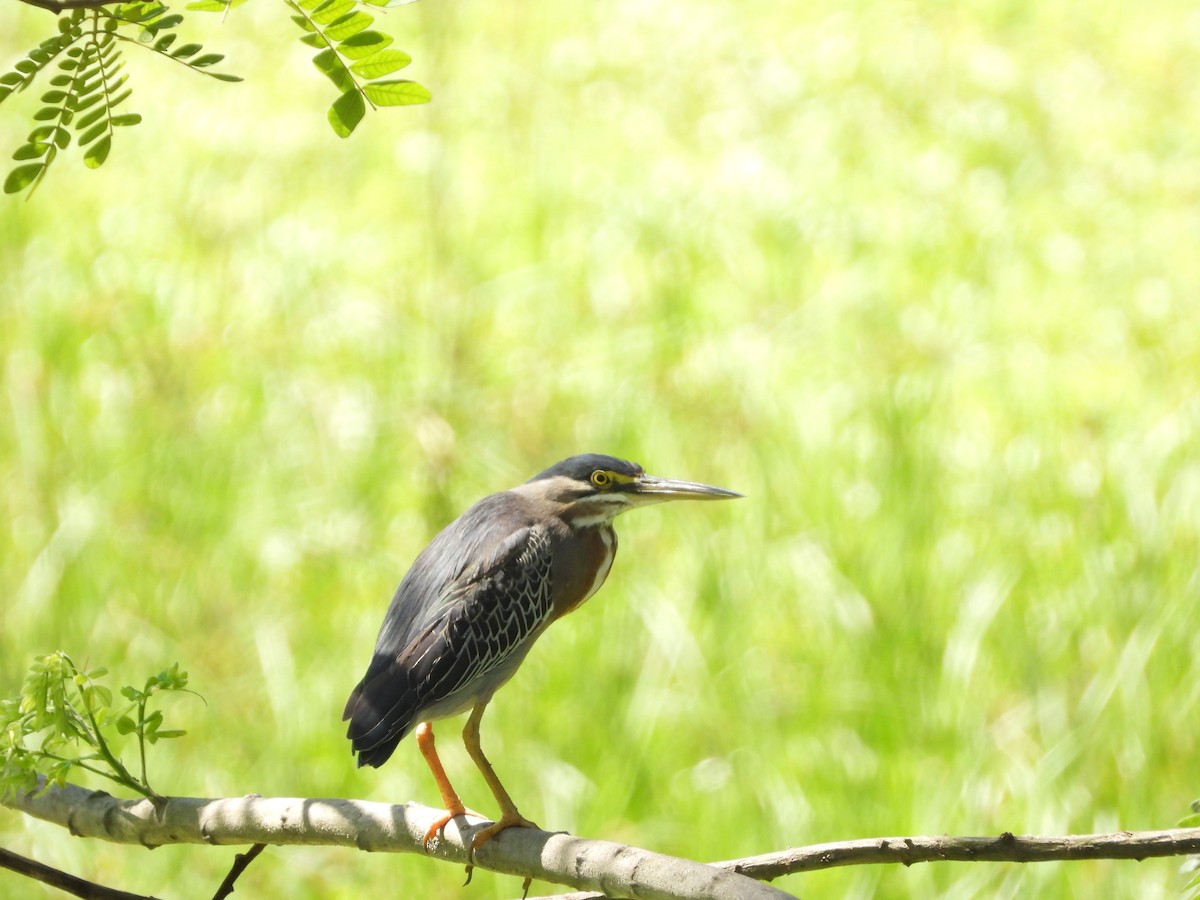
x,y
509,816
450,799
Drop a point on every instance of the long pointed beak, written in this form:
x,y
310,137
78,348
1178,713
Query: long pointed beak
x,y
658,489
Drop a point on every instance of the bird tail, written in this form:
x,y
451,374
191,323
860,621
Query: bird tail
x,y
380,712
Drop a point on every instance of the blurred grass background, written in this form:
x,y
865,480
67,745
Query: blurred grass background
x,y
920,280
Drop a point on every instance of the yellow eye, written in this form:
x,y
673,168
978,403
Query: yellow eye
x,y
601,479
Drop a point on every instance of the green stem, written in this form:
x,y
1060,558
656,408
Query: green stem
x,y
163,53
141,733
129,782
122,775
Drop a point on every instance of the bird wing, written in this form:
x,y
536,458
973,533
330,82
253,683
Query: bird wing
x,y
476,624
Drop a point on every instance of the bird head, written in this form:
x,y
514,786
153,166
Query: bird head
x,y
597,488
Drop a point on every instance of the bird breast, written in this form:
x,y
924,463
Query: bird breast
x,y
583,562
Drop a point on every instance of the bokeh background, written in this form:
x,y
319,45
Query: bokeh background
x,y
919,279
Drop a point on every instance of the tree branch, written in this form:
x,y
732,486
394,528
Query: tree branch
x,y
1007,847
614,869
57,6
240,863
62,880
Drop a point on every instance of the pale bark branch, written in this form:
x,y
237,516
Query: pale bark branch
x,y
1007,847
614,869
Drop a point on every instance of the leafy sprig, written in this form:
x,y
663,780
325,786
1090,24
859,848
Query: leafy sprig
x,y
65,719
87,89
355,58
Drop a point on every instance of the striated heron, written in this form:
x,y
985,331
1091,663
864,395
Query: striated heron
x,y
479,595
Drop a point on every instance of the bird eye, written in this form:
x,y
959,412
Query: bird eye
x,y
601,479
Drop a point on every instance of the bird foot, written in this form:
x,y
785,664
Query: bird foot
x,y
508,820
436,830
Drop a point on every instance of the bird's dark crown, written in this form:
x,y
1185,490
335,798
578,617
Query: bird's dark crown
x,y
580,468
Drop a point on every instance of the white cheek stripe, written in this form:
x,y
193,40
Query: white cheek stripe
x,y
606,535
600,508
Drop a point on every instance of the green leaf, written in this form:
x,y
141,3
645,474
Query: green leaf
x,y
34,150
21,177
385,62
79,104
125,120
164,42
396,93
173,679
121,97
304,23
170,733
186,50
328,63
207,6
26,66
45,114
126,725
11,78
331,10
348,25
94,132
85,120
97,696
314,40
222,76
82,87
207,59
97,153
62,137
61,80
363,44
346,112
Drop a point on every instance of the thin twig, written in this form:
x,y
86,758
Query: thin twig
x,y
240,863
57,6
62,880
1007,847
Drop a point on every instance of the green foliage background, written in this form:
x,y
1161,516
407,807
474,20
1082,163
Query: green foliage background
x,y
920,280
